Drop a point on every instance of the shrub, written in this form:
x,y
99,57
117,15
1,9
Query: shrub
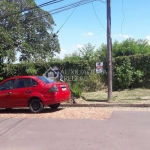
x,y
1,78
76,90
31,71
93,83
123,75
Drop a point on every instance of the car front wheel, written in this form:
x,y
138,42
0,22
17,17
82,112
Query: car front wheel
x,y
8,109
54,106
36,106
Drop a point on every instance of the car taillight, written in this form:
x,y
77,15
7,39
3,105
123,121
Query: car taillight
x,y
53,89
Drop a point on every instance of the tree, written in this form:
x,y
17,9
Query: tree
x,y
74,56
125,48
30,33
130,47
87,52
101,52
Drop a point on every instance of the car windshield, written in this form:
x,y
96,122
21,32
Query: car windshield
x,y
45,79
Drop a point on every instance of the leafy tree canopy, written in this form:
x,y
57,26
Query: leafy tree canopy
x,y
124,48
130,47
30,33
87,52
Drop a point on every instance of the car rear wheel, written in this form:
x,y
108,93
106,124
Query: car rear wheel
x,y
36,106
8,109
54,106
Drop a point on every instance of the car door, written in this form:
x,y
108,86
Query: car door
x,y
6,90
21,93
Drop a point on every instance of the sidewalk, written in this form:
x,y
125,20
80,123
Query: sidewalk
x,y
83,103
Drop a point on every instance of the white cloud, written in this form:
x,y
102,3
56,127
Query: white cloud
x,y
61,54
88,34
148,39
79,46
63,50
124,36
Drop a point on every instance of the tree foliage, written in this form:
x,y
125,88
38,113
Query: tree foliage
x,y
74,56
30,33
130,47
130,61
125,48
87,53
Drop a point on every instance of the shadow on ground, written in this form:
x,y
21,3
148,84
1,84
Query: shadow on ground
x,y
27,111
96,100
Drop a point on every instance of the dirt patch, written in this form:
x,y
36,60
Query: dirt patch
x,y
99,113
62,113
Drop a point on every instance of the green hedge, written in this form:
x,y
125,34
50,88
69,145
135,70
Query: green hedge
x,y
39,68
132,72
128,72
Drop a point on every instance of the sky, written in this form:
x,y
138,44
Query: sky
x,y
88,23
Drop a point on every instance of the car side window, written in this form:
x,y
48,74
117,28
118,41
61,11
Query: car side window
x,y
34,83
7,85
23,83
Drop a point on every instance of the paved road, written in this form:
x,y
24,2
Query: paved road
x,y
123,131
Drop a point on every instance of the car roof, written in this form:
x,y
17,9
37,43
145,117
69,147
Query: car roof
x,y
17,77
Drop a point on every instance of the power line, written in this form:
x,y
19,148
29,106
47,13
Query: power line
x,y
123,19
97,16
31,8
82,2
103,1
42,5
60,9
70,6
48,3
74,11
66,20
67,7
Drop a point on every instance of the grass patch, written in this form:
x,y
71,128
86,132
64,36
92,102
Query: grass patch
x,y
125,96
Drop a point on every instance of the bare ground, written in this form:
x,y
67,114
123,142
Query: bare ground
x,y
98,113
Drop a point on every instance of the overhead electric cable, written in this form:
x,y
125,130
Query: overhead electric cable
x,y
67,7
123,19
82,2
67,19
31,8
103,1
97,16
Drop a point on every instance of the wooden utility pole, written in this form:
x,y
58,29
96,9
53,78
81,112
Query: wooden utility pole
x,y
109,51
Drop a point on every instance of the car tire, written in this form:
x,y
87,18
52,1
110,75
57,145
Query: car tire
x,y
36,106
54,106
8,109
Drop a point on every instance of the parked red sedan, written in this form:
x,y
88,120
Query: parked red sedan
x,y
34,92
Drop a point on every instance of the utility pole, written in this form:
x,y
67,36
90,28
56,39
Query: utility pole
x,y
109,51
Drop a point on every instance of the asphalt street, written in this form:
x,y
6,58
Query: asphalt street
x,y
122,131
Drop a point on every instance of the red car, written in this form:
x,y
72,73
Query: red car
x,y
34,92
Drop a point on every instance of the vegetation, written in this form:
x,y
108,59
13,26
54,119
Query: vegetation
x,y
126,48
33,38
26,33
138,95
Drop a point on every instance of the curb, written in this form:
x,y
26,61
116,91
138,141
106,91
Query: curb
x,y
105,105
